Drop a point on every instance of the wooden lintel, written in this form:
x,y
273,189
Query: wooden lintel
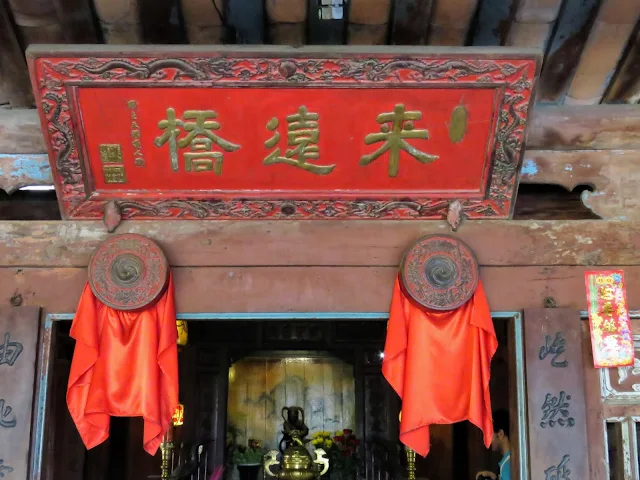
x,y
308,289
550,128
329,243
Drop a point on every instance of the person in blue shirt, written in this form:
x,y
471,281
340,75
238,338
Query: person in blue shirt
x,y
500,443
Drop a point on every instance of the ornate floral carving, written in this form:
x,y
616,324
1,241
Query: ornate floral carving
x,y
514,77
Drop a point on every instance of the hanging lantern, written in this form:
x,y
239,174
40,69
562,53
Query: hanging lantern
x,y
183,332
178,416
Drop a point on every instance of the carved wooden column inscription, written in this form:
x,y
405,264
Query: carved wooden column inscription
x,y
18,341
555,394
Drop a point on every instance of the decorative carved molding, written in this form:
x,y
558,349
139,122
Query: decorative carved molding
x,y
622,384
52,76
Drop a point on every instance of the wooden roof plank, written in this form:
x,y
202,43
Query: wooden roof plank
x,y
607,40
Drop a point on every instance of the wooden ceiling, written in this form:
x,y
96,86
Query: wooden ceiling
x,y
592,47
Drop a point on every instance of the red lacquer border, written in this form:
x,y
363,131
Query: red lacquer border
x,y
55,70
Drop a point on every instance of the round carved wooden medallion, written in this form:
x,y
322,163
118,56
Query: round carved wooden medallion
x,y
128,272
439,272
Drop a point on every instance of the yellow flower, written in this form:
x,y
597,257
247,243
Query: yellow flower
x,y
329,442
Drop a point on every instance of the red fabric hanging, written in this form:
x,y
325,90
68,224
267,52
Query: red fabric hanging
x,y
125,364
439,363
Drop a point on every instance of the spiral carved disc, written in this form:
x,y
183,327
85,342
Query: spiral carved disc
x,y
439,272
128,272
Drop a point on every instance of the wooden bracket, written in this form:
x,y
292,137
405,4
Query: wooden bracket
x,y
112,216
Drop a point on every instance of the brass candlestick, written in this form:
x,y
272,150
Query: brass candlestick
x,y
411,458
411,463
166,447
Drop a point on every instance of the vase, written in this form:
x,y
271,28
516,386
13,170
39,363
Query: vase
x,y
249,471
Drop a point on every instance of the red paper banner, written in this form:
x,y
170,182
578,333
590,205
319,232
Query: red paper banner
x,y
609,321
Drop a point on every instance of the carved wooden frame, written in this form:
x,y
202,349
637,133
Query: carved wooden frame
x,y
56,72
609,393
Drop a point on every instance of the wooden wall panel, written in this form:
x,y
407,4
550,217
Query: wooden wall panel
x,y
608,38
307,289
283,243
555,391
18,342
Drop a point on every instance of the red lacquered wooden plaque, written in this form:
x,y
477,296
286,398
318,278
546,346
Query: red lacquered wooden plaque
x,y
288,133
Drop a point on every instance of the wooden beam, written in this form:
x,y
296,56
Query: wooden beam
x,y
584,127
496,243
550,128
18,171
534,20
308,289
614,176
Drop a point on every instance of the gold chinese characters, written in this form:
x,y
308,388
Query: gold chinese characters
x,y
303,133
200,138
198,129
394,138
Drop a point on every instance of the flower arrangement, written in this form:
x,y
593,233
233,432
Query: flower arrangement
x,y
250,455
342,451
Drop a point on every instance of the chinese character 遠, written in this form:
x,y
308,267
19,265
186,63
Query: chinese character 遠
x,y
394,138
200,138
303,133
9,351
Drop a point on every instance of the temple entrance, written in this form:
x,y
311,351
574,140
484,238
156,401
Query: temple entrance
x,y
235,378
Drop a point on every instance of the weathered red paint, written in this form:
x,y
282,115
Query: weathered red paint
x,y
119,101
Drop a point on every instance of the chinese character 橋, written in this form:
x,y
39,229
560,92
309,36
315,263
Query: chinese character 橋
x,y
560,471
9,351
303,133
555,348
7,420
395,138
556,410
200,138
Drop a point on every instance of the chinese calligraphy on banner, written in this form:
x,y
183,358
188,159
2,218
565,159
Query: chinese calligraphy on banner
x,y
611,339
290,140
291,134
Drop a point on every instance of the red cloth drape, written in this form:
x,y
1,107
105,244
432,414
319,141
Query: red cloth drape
x,y
125,364
439,364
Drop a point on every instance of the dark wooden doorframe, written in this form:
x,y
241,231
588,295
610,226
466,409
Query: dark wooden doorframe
x,y
42,439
